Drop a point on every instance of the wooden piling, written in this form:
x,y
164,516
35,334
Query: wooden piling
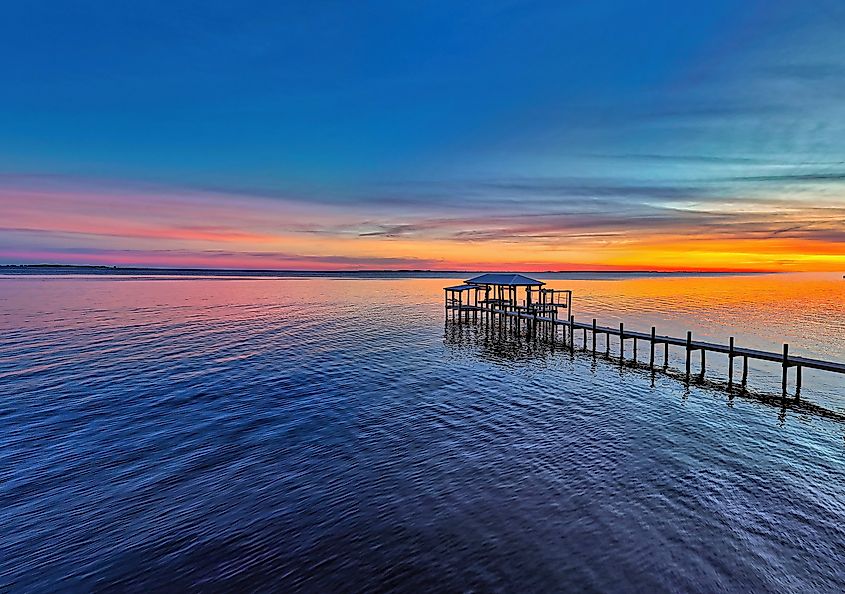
x,y
651,353
785,367
689,351
744,371
594,336
731,363
621,341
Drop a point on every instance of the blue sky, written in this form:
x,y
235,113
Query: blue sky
x,y
407,118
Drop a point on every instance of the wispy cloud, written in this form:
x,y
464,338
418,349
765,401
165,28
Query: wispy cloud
x,y
543,220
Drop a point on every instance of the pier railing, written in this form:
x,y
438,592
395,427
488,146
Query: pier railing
x,y
535,322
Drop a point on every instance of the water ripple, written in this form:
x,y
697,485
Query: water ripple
x,y
329,435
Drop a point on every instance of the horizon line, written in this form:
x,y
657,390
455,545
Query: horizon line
x,y
400,270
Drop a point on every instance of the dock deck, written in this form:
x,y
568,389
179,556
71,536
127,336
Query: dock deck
x,y
540,311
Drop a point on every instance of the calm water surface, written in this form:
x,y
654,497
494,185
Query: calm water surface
x,y
335,435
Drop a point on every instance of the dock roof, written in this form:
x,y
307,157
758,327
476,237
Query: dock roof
x,y
460,288
505,278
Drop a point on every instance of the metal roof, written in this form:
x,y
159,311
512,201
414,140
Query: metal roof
x,y
505,278
460,288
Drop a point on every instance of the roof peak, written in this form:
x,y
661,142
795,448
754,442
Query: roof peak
x,y
504,278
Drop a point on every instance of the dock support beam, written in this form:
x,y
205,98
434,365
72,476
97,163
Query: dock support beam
x,y
621,342
594,336
731,363
651,353
785,367
689,351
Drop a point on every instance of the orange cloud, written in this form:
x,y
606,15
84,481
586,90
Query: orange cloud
x,y
146,228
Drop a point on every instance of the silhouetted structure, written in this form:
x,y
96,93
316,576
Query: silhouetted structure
x,y
496,296
501,291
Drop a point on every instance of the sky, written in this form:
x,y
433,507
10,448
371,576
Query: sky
x,y
497,135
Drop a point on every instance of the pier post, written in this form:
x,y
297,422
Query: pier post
x,y
798,382
689,351
731,363
744,370
621,341
585,339
594,336
703,353
635,349
572,333
665,354
785,366
651,353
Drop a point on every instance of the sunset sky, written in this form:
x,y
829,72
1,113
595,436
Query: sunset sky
x,y
441,135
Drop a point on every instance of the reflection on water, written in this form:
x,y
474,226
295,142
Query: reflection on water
x,y
309,434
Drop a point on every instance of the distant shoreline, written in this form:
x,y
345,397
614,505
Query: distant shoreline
x,y
69,269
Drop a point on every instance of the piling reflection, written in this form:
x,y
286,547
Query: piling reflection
x,y
498,341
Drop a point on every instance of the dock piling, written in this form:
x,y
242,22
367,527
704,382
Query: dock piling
x,y
785,367
621,342
689,351
731,363
651,353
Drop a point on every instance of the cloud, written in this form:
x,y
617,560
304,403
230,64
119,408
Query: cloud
x,y
534,216
216,258
788,178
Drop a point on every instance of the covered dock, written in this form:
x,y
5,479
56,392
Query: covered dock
x,y
500,292
516,301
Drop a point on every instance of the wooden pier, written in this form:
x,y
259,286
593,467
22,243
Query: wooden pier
x,y
494,296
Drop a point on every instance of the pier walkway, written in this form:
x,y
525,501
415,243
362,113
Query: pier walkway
x,y
494,296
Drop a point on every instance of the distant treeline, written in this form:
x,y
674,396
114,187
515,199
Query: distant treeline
x,y
62,269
